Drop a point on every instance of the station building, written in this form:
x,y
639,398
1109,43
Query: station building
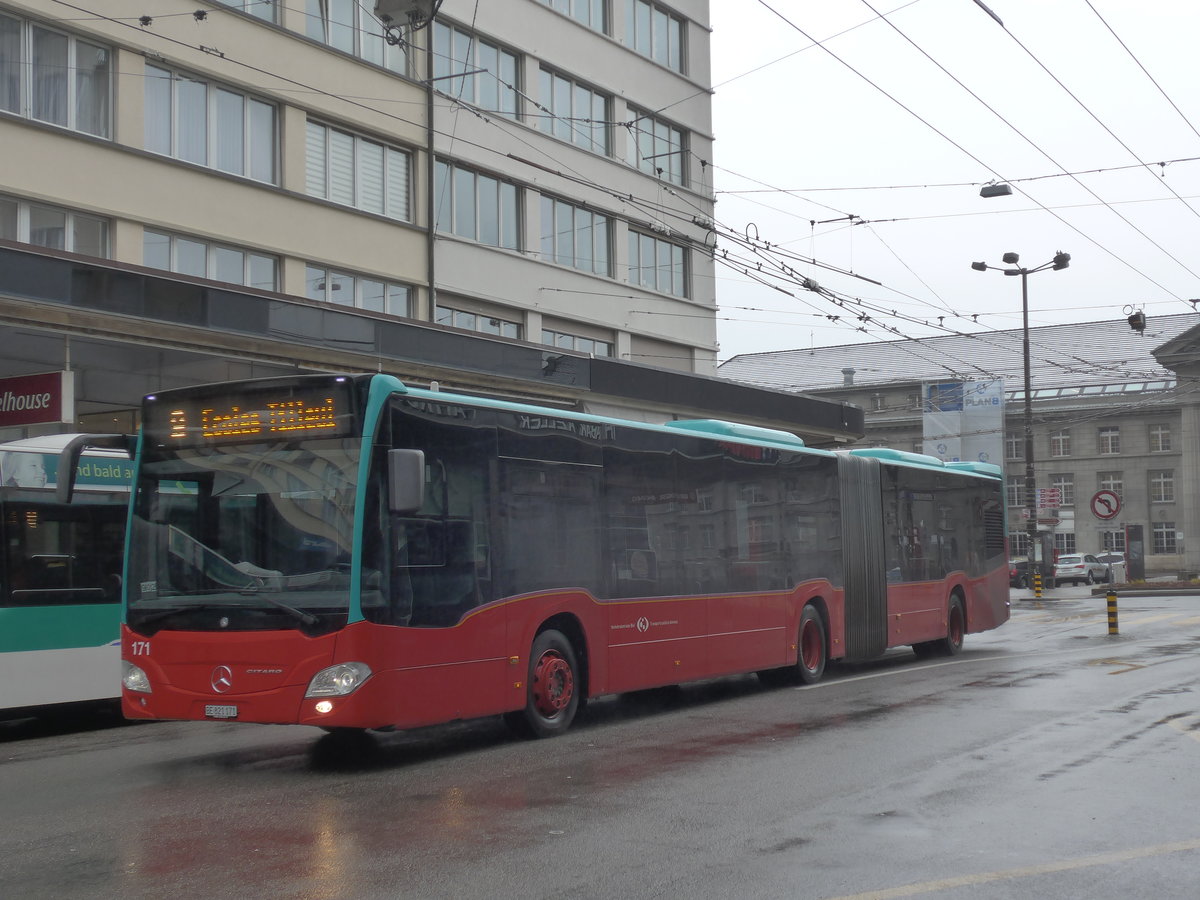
x,y
1113,410
511,198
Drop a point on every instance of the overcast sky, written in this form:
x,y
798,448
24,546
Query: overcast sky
x,y
804,137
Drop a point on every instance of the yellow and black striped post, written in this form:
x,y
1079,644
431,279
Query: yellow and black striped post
x,y
1112,612
1037,584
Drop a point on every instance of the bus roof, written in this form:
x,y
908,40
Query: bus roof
x,y
54,443
921,461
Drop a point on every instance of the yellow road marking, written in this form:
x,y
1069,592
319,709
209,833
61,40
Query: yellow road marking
x,y
1144,619
1188,725
1065,865
1126,665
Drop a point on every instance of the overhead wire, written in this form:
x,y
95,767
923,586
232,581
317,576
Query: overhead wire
x,y
1037,147
680,215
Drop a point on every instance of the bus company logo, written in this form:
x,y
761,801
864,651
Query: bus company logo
x,y
222,679
643,624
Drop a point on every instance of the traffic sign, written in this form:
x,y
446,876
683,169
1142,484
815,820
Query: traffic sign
x,y
1106,504
1049,498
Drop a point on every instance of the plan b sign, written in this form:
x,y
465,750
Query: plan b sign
x,y
37,399
1106,504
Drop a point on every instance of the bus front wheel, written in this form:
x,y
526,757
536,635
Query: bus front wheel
x,y
811,653
551,690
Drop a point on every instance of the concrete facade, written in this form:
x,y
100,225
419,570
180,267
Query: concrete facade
x,y
512,199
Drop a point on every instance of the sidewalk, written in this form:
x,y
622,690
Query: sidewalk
x,y
1162,586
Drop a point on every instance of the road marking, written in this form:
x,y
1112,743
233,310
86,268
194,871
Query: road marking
x,y
1066,865
1188,725
1141,620
1126,666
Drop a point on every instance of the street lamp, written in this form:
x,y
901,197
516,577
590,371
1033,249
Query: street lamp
x,y
1061,261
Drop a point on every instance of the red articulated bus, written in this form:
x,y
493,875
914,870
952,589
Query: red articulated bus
x,y
351,552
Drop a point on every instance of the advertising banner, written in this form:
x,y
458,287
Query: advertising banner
x,y
963,421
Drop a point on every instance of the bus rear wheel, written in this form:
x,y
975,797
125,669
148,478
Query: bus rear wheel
x,y
552,688
956,629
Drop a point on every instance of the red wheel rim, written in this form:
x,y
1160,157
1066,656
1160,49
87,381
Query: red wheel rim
x,y
553,684
810,645
956,626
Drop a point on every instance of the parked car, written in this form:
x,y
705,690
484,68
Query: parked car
x,y
1018,572
1116,565
1079,568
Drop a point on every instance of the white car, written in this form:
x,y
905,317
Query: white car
x,y
1116,564
1079,568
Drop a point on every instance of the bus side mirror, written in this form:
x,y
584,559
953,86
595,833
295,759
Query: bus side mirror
x,y
406,481
68,459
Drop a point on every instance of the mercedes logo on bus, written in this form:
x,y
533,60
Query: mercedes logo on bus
x,y
222,679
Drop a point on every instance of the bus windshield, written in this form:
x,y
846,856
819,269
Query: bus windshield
x,y
244,537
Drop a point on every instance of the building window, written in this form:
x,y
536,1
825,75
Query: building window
x,y
1164,538
752,492
1160,438
481,322
477,206
53,227
1065,542
576,113
351,26
492,82
1014,491
204,259
1060,443
657,264
653,31
1014,446
575,237
1162,486
359,291
592,13
1066,488
657,147
357,172
1110,439
1113,541
209,125
55,77
576,342
1111,481
267,10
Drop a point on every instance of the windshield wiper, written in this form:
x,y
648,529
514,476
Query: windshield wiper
x,y
306,618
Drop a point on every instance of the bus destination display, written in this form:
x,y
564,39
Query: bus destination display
x,y
287,413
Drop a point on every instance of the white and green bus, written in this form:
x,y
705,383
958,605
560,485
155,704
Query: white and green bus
x,y
60,575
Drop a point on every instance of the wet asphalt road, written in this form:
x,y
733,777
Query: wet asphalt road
x,y
1049,759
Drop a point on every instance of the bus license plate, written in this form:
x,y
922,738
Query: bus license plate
x,y
213,711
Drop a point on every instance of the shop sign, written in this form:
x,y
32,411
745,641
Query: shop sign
x,y
37,399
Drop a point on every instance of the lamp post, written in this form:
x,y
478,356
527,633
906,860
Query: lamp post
x,y
1061,261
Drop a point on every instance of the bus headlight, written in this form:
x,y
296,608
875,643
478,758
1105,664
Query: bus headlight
x,y
134,679
339,680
